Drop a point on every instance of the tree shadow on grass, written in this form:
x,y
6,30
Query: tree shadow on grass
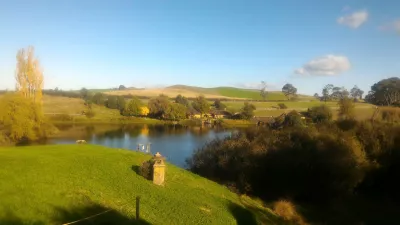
x,y
11,219
242,215
94,214
136,169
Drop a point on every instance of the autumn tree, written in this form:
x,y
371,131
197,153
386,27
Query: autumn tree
x,y
201,104
289,90
21,119
29,75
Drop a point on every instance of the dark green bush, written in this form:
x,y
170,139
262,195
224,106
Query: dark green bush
x,y
146,170
320,114
282,106
312,164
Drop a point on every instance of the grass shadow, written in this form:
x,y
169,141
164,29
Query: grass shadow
x,y
136,169
11,219
242,215
94,214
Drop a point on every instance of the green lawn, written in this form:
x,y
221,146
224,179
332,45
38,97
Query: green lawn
x,y
64,183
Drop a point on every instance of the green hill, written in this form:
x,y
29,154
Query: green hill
x,y
65,183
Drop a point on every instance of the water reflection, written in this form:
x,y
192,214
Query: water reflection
x,y
175,142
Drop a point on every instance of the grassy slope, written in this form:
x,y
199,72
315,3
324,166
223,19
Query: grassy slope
x,y
63,183
64,105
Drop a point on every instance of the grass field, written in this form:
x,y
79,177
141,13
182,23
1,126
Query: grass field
x,y
65,183
362,110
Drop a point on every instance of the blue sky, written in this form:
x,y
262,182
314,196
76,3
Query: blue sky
x,y
101,44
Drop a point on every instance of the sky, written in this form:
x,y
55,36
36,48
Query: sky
x,y
208,43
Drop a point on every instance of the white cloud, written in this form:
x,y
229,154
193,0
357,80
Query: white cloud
x,y
393,26
354,20
328,65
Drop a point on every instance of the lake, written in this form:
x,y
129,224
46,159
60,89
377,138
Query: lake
x,y
176,143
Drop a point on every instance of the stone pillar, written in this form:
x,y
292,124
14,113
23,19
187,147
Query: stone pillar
x,y
158,169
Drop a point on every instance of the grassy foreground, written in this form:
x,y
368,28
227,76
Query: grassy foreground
x,y
63,183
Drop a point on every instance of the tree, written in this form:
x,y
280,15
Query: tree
x,y
175,112
22,119
98,98
219,105
356,92
385,92
346,108
263,90
289,90
112,102
247,112
326,92
182,100
84,93
29,75
317,96
121,102
133,107
201,104
121,87
339,93
158,106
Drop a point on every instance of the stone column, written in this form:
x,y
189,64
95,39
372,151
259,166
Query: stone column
x,y
158,169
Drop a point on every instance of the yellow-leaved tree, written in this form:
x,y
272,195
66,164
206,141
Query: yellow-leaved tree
x,y
29,75
21,114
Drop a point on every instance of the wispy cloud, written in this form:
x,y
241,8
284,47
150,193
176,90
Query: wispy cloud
x,y
393,26
328,65
354,20
346,8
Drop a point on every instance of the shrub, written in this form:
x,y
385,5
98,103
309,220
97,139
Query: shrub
x,y
320,114
282,106
293,119
146,170
287,211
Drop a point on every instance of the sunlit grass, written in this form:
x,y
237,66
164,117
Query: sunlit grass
x,y
63,183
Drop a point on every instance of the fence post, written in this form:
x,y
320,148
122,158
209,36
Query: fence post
x,y
137,207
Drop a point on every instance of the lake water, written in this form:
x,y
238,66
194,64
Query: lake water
x,y
175,143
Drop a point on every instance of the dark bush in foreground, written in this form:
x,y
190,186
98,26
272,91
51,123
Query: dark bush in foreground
x,y
314,164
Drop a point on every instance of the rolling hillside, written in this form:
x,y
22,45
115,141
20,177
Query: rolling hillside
x,y
192,91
